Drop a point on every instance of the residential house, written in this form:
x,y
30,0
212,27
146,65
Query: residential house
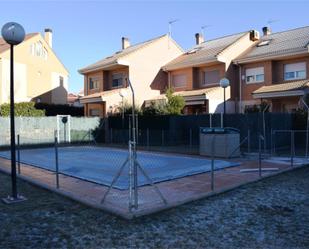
x,y
39,74
275,70
196,74
74,99
106,81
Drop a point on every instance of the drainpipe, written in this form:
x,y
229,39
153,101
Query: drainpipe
x,y
240,85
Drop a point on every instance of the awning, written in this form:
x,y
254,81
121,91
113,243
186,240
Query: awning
x,y
294,88
192,97
101,96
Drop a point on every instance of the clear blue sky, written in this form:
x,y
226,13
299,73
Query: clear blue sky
x,y
87,31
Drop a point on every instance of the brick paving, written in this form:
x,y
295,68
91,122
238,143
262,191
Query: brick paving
x,y
176,192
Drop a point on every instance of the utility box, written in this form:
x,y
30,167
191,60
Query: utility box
x,y
219,142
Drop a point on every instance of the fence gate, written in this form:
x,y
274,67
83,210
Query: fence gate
x,y
64,128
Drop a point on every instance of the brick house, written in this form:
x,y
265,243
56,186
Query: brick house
x,y
275,70
195,74
105,82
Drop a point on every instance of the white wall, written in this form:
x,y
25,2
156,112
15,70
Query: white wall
x,y
20,82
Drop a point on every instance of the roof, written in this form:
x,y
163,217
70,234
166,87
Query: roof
x,y
101,94
283,87
204,52
113,59
282,43
188,93
5,46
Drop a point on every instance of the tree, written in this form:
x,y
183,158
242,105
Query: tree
x,y
175,103
155,108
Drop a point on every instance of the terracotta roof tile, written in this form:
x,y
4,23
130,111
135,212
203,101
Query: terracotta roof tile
x,y
295,85
285,42
203,53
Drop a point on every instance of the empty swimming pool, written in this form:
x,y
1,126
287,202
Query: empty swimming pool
x,y
101,164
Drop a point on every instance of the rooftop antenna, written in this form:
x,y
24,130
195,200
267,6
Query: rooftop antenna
x,y
203,29
170,30
170,26
270,21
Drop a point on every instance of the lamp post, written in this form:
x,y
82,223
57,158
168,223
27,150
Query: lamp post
x,y
224,83
13,33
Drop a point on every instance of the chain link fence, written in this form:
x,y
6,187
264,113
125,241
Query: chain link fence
x,y
164,167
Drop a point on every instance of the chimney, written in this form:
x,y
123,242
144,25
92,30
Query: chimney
x,y
125,42
49,37
199,38
266,31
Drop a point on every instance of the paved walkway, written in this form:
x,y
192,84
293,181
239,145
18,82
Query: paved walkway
x,y
176,191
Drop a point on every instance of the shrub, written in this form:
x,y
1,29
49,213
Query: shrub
x,y
58,109
257,108
127,109
24,109
175,103
155,108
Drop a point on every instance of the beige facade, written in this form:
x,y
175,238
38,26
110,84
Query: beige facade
x,y
141,64
39,74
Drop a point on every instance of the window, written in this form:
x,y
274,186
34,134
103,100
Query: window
x,y
93,83
37,49
179,80
295,71
117,80
254,75
211,77
94,112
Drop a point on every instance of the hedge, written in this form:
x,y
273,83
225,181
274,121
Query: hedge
x,y
57,109
25,109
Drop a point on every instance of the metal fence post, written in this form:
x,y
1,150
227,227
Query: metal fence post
x,y
89,134
248,141
190,139
271,142
210,120
212,162
147,138
307,134
57,162
162,137
274,142
18,154
260,157
111,135
292,148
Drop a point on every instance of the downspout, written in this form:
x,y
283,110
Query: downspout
x,y
240,92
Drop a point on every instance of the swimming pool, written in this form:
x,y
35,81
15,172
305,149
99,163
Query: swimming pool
x,y
101,164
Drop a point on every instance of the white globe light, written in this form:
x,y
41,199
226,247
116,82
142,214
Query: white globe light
x,y
224,83
13,33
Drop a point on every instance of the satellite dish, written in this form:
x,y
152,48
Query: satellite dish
x,y
224,82
13,33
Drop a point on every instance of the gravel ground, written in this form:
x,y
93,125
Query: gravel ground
x,y
273,213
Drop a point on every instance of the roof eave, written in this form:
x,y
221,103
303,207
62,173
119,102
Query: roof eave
x,y
278,94
171,68
304,51
117,62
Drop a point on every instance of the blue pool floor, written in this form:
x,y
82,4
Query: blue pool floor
x,y
101,164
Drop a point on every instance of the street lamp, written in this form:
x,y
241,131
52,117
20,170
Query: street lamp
x,y
13,33
224,83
